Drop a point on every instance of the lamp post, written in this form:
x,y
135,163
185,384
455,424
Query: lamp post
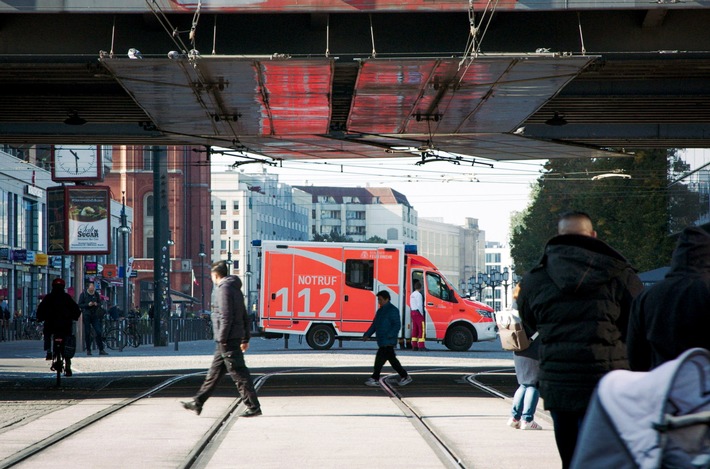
x,y
506,284
480,284
202,255
229,255
125,231
495,279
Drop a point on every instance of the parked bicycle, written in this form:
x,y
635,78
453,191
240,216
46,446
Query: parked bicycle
x,y
32,329
120,337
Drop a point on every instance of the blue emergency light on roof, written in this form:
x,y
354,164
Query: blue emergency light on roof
x,y
410,248
256,243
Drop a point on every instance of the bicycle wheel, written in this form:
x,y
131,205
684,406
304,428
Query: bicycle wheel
x,y
116,339
134,339
58,361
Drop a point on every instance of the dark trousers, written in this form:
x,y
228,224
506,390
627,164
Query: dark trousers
x,y
92,322
567,425
386,354
229,360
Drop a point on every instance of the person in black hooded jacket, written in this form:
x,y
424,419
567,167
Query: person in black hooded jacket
x,y
673,315
578,299
230,323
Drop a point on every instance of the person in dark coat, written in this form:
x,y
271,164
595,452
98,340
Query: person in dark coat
x,y
230,323
386,327
58,310
672,316
578,299
92,313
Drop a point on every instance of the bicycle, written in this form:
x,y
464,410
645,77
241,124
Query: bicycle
x,y
61,358
119,337
32,329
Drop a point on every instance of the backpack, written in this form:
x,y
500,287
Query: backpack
x,y
511,331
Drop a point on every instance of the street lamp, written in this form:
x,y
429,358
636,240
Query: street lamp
x,y
125,230
480,284
506,284
202,255
495,279
229,255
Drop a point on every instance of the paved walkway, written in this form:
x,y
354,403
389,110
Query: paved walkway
x,y
353,431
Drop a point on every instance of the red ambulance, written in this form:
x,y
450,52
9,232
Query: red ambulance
x,y
327,291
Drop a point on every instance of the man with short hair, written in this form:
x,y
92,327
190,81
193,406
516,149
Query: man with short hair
x,y
386,327
578,299
230,324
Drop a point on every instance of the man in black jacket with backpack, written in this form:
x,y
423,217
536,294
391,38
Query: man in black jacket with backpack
x,y
578,299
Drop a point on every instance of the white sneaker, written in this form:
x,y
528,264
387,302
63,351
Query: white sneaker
x,y
531,425
513,423
405,381
372,382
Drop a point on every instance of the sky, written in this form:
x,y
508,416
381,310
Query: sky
x,y
437,189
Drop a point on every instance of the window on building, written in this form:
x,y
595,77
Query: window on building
x,y
235,205
223,245
360,273
223,224
223,205
235,245
147,159
235,224
149,251
392,234
148,208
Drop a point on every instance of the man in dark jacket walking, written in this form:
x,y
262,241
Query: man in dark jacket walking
x,y
58,310
672,316
230,324
386,327
578,298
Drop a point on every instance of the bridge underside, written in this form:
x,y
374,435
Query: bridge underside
x,y
356,85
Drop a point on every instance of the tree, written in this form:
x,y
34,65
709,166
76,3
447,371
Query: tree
x,y
634,215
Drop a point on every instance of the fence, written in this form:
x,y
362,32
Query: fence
x,y
182,330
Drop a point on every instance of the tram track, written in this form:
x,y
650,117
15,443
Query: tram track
x,y
77,427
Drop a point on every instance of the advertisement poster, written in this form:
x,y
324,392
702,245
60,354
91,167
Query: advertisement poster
x,y
88,220
56,220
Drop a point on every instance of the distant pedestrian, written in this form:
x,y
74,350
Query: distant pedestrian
x,y
90,304
4,320
58,310
230,323
386,327
673,315
527,372
578,299
416,306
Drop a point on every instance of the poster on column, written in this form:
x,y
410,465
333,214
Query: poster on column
x,y
88,224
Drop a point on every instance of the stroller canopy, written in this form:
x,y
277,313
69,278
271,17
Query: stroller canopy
x,y
650,419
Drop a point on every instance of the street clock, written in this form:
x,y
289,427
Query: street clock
x,y
76,163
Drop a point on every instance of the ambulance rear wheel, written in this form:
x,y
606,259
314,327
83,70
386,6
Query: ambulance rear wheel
x,y
459,338
320,337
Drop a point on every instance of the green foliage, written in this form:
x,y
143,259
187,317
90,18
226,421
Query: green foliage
x,y
635,216
376,240
332,237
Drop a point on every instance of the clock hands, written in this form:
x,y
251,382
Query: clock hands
x,y
76,160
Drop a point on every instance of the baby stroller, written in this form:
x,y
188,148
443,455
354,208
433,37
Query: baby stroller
x,y
655,419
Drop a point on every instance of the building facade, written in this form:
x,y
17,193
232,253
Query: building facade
x,y
361,213
247,207
182,191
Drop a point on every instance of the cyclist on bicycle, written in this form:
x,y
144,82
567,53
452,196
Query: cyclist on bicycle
x,y
58,309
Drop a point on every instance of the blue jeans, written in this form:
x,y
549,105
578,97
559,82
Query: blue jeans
x,y
525,402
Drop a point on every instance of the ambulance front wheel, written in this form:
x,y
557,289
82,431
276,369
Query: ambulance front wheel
x,y
320,337
459,338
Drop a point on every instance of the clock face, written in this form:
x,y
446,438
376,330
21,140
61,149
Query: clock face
x,y
76,163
